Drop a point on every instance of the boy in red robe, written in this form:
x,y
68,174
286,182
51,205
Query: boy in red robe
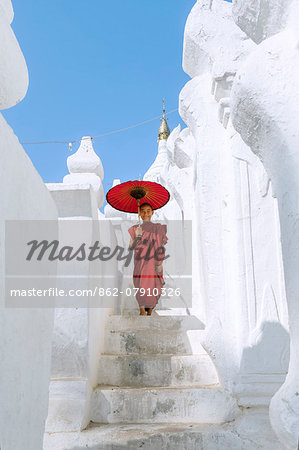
x,y
148,242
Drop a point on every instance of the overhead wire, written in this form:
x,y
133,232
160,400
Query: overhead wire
x,y
72,141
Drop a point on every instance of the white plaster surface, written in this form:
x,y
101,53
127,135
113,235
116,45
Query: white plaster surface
x,y
267,121
14,73
212,41
86,167
78,331
260,19
25,334
7,9
240,291
173,169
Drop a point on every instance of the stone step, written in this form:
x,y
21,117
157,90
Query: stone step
x,y
151,437
157,370
172,303
162,405
153,341
250,431
171,311
154,322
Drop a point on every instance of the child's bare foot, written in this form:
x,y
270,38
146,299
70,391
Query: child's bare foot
x,y
149,311
142,311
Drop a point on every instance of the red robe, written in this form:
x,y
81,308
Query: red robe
x,y
146,257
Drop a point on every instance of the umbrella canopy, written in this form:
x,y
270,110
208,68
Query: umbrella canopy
x,y
126,196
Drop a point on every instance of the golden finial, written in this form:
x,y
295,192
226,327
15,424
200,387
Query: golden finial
x,y
164,131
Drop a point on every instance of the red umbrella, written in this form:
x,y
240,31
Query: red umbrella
x,y
129,196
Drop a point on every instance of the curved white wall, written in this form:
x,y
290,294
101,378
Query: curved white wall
x,y
25,334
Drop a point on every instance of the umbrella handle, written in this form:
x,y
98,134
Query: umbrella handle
x,y
138,202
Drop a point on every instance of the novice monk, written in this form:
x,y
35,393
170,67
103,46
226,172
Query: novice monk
x,y
148,242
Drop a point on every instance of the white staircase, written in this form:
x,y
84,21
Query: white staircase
x,y
151,371
158,389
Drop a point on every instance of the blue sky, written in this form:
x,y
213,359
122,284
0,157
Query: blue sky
x,y
96,66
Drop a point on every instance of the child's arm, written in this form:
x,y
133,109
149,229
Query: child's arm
x,y
164,239
133,243
159,264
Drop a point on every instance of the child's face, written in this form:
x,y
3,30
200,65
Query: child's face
x,y
146,213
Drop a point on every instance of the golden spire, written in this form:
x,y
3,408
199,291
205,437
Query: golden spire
x,y
164,130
